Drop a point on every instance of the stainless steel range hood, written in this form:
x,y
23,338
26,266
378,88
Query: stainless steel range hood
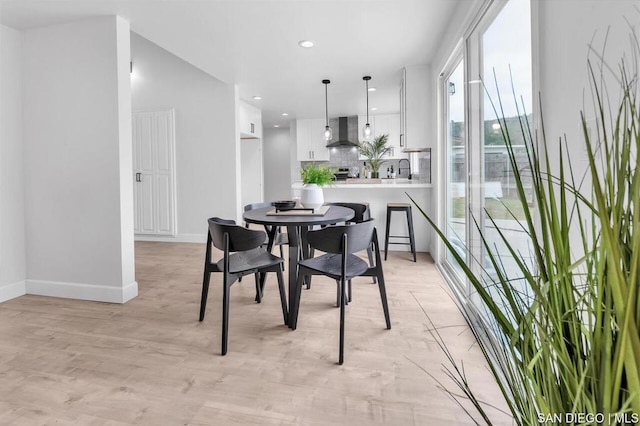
x,y
345,130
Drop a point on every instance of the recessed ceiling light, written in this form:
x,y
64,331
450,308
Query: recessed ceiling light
x,y
372,89
374,109
276,125
284,114
257,98
306,43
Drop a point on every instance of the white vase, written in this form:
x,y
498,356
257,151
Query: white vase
x,y
311,196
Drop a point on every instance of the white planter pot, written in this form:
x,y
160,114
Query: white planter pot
x,y
311,196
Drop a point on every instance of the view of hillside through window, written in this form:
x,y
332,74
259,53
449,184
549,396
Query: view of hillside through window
x,y
504,67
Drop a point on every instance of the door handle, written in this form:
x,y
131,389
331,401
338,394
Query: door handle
x,y
138,177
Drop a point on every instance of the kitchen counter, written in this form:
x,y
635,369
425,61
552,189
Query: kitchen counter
x,y
378,195
375,183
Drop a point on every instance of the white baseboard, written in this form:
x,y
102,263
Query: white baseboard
x,y
12,290
98,293
180,238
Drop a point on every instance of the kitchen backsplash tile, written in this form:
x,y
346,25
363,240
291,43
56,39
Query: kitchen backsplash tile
x,y
348,157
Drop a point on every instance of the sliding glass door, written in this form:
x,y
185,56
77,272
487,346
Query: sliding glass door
x,y
506,70
479,188
455,185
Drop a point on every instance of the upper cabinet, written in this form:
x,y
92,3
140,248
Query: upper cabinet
x,y
388,124
414,107
382,124
250,121
403,109
310,141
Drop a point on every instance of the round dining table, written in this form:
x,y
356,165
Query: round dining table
x,y
297,227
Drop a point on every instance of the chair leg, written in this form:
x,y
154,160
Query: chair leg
x,y
383,297
206,278
205,292
283,296
308,280
293,315
370,256
258,287
338,293
225,313
281,255
386,234
342,309
380,275
411,236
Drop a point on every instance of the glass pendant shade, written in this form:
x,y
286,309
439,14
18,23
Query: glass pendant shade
x,y
366,132
328,134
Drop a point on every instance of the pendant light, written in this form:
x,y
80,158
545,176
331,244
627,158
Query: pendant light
x,y
366,131
328,134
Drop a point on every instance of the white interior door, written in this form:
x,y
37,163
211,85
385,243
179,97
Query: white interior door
x,y
154,172
251,171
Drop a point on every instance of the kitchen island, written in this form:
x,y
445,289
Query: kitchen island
x,y
378,195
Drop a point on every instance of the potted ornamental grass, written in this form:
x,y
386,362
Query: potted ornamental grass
x,y
373,151
314,178
570,343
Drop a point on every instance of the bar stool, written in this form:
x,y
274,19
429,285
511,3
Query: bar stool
x,y
400,207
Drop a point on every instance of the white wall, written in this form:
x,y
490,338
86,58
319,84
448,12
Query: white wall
x,y
276,150
12,238
564,82
294,164
77,148
206,137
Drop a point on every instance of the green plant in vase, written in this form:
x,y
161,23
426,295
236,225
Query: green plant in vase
x,y
373,151
314,178
320,175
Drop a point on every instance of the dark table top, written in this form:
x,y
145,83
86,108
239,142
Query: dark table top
x,y
333,215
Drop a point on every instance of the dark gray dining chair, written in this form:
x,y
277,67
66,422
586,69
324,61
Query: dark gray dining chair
x,y
274,233
340,263
361,214
242,255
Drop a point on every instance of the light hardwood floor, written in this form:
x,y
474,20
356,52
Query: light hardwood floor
x,y
151,362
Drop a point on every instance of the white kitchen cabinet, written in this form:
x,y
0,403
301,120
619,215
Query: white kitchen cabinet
x,y
389,124
403,109
310,141
384,124
250,119
414,107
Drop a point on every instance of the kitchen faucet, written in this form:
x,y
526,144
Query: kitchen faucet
x,y
400,169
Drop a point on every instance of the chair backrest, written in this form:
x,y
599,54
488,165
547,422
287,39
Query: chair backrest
x,y
223,221
362,212
255,206
240,239
329,239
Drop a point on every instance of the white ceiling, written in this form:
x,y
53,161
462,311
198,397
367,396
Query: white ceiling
x,y
254,43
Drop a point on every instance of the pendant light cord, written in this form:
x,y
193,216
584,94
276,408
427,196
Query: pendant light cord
x,y
367,82
366,79
326,105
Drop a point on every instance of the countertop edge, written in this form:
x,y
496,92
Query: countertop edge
x,y
403,185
